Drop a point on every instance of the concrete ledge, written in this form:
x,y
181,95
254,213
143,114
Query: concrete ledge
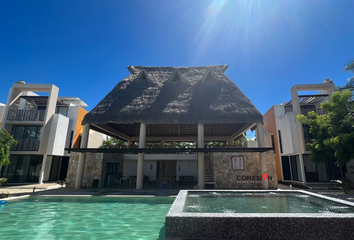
x,y
188,225
15,198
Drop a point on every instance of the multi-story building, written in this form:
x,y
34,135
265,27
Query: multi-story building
x,y
43,126
290,137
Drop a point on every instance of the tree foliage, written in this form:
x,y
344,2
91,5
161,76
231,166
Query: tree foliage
x,y
332,133
6,141
113,143
349,68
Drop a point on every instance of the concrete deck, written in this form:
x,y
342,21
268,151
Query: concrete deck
x,y
53,189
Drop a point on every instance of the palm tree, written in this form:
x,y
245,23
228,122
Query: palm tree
x,y
349,68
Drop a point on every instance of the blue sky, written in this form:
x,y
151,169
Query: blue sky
x,y
84,47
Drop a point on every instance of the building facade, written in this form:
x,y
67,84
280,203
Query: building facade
x,y
290,137
43,126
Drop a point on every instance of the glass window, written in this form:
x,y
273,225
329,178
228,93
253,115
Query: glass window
x,y
42,108
62,110
18,132
286,168
27,132
31,132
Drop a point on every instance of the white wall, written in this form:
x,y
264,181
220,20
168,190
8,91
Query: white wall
x,y
72,115
129,168
187,168
95,139
57,135
286,125
148,171
2,111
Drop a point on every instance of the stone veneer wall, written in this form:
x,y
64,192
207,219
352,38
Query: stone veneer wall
x,y
72,169
95,166
225,177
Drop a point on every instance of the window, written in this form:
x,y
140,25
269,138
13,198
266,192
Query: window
x,y
42,108
280,143
62,110
27,132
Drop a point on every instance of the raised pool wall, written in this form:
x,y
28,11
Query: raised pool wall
x,y
226,178
186,225
95,167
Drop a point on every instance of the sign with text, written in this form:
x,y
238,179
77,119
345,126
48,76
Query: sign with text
x,y
237,163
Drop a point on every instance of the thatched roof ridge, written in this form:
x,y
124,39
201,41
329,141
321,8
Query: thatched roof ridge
x,y
171,95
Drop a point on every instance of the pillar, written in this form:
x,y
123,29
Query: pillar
x,y
201,179
231,143
129,143
262,157
41,176
140,168
82,157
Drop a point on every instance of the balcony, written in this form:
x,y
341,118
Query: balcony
x,y
319,111
26,115
26,144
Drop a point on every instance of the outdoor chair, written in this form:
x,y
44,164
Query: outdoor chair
x,y
164,183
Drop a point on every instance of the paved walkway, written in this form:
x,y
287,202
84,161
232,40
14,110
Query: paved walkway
x,y
28,188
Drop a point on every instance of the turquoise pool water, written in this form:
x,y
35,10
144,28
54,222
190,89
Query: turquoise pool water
x,y
84,218
253,202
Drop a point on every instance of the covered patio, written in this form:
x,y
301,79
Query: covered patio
x,y
173,104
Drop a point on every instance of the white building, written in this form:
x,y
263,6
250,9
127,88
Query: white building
x,y
43,126
290,137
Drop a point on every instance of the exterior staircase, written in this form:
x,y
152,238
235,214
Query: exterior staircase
x,y
208,170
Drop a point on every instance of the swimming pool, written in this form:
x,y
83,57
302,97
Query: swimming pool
x,y
260,202
259,214
85,218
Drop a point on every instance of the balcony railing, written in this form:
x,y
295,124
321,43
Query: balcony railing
x,y
26,144
26,115
319,111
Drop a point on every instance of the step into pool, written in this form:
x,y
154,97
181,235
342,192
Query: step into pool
x,y
84,218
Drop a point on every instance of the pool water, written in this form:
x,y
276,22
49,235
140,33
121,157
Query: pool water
x,y
268,202
84,218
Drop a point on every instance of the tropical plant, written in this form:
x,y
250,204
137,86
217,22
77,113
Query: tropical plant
x,y
2,180
5,195
350,84
6,141
344,184
332,133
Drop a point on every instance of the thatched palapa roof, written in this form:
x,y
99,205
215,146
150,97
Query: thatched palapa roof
x,y
175,95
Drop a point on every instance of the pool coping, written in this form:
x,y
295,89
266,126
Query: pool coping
x,y
177,207
111,196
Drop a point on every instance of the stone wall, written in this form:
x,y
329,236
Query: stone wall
x,y
93,169
72,169
95,166
225,177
